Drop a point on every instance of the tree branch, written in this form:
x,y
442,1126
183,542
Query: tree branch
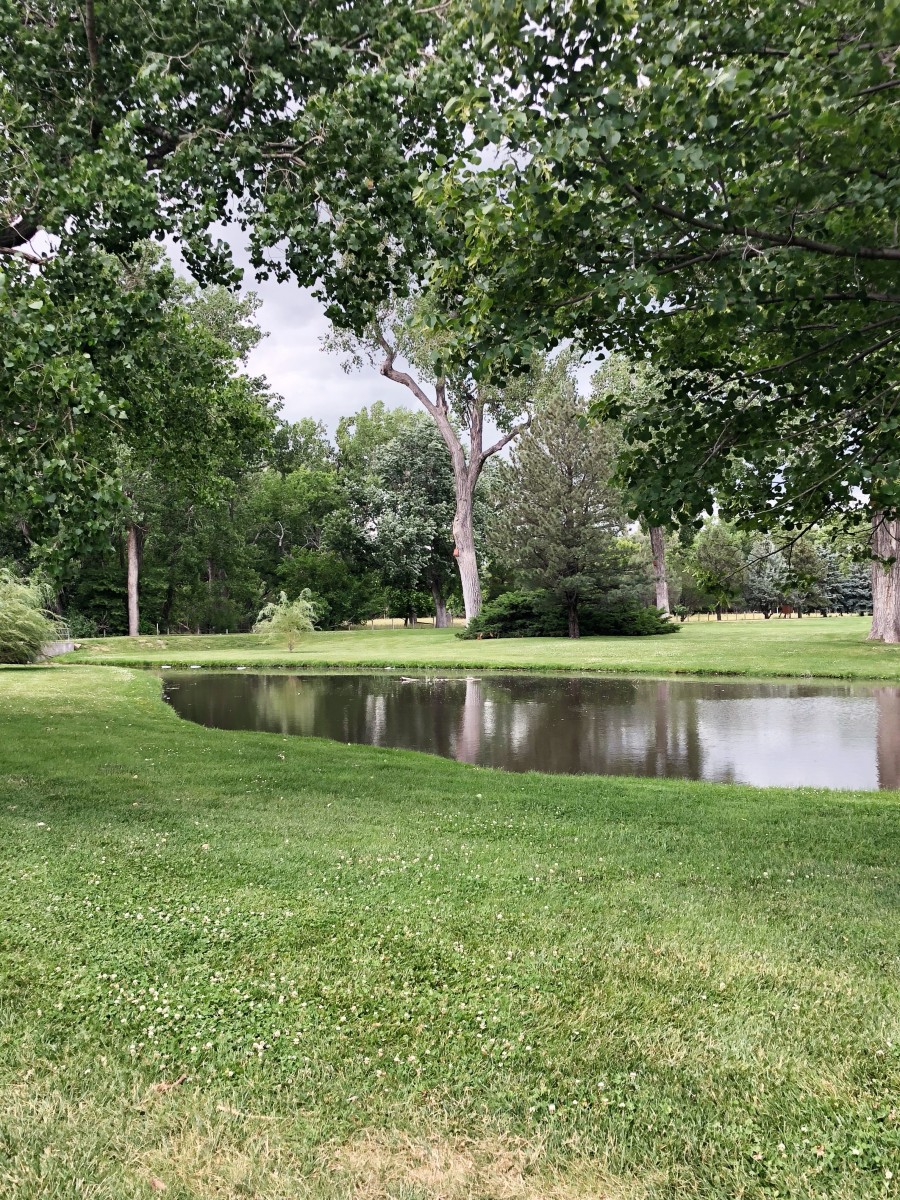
x,y
497,446
90,32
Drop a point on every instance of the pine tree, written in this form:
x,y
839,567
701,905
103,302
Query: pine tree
x,y
560,517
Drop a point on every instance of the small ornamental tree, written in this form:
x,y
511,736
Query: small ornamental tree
x,y
25,624
289,619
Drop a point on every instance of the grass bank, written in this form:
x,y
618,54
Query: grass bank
x,y
240,965
834,648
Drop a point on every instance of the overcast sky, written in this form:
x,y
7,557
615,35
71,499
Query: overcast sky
x,y
311,381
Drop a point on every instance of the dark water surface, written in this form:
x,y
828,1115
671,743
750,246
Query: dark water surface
x,y
791,734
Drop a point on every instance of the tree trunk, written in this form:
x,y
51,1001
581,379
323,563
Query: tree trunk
x,y
134,555
574,630
658,550
466,560
888,735
718,612
441,620
885,580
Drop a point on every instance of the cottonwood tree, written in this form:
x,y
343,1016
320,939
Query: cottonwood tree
x,y
197,418
306,129
559,515
410,509
710,183
460,404
718,563
626,384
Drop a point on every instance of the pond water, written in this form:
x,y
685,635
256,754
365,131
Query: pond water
x,y
786,734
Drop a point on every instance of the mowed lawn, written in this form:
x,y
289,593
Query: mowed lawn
x,y
239,965
835,647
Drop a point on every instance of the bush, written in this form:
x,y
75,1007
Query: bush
x,y
536,614
25,625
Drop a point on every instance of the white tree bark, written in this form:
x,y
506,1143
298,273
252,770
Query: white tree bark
x,y
134,554
466,469
885,580
441,620
658,550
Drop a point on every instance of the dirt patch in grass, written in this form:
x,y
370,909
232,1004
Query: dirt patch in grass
x,y
395,1166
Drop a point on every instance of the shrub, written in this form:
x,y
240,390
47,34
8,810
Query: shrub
x,y
25,624
287,618
536,614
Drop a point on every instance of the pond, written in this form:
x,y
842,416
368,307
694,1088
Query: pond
x,y
770,734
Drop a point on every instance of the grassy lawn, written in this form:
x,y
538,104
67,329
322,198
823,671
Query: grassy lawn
x,y
834,648
237,965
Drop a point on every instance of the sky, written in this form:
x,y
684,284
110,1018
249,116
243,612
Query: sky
x,y
310,380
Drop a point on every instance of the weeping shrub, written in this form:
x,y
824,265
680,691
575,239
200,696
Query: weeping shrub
x,y
25,624
289,619
537,614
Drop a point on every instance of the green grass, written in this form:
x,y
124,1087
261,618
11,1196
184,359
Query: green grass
x,y
377,974
834,648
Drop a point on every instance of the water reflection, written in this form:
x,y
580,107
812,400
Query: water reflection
x,y
823,735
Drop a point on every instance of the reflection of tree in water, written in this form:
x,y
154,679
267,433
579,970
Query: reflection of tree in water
x,y
471,723
887,700
286,704
585,725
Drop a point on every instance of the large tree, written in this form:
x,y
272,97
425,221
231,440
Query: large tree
x,y
410,508
461,404
719,185
306,128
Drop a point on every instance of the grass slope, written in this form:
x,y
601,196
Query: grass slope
x,y
239,965
833,648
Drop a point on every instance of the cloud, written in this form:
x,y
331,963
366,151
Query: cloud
x,y
311,381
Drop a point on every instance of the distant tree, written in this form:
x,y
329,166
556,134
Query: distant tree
x,y
300,444
764,586
718,563
560,517
805,570
288,619
361,436
411,503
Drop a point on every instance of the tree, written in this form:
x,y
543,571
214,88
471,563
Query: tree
x,y
718,563
764,586
285,618
196,418
460,406
411,506
26,624
560,517
308,130
722,188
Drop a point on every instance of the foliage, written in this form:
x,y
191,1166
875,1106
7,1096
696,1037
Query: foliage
x,y
543,614
308,132
559,517
26,625
717,562
717,187
288,619
115,388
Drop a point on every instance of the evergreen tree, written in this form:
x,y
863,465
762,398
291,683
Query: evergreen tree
x,y
560,516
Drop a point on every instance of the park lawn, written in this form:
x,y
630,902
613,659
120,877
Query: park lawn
x,y
241,965
834,648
